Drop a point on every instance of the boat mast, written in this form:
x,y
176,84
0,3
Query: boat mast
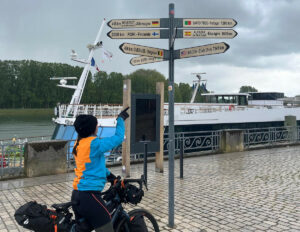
x,y
198,75
76,98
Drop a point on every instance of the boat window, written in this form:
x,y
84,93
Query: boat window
x,y
242,101
226,99
266,96
220,99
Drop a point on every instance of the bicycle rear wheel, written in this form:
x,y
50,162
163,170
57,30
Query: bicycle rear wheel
x,y
135,224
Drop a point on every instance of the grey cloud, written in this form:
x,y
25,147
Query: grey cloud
x,y
47,31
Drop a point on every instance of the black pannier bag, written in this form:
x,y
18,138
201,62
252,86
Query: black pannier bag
x,y
37,217
133,194
137,224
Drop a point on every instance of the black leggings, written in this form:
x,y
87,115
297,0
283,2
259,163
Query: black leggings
x,y
90,206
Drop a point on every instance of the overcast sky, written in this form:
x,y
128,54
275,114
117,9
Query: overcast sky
x,y
265,54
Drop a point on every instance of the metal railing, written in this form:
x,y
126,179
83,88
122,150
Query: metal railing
x,y
271,136
98,111
11,160
12,155
195,141
12,141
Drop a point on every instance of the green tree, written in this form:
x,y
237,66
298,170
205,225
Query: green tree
x,y
246,89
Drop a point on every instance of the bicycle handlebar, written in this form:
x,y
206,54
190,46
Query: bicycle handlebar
x,y
120,183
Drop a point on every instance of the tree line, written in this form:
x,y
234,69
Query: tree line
x,y
27,84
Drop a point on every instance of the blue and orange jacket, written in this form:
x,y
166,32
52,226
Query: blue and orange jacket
x,y
91,171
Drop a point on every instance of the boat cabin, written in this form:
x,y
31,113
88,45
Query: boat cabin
x,y
266,98
240,99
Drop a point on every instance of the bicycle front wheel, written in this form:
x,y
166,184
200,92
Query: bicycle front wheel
x,y
139,220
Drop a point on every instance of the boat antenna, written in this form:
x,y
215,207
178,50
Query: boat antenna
x,y
198,75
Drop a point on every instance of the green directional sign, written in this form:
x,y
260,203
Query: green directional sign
x,y
206,34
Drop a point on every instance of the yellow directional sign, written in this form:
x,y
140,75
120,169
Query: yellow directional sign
x,y
208,34
208,23
201,50
145,60
142,50
133,23
134,34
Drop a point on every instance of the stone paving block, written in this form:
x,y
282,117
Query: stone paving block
x,y
245,191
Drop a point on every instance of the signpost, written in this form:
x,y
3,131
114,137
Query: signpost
x,y
144,60
204,50
138,23
206,23
138,34
143,50
206,34
151,55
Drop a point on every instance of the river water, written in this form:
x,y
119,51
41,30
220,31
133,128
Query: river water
x,y
20,123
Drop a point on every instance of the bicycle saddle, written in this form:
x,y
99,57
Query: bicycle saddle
x,y
62,206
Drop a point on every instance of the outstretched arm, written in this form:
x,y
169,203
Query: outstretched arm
x,y
107,144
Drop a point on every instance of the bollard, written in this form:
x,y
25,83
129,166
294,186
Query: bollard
x,y
145,161
181,158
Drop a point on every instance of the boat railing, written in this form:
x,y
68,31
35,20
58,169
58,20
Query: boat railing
x,y
98,110
193,109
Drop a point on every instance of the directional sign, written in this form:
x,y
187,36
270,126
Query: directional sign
x,y
138,23
201,50
129,23
142,50
138,34
206,23
145,60
206,34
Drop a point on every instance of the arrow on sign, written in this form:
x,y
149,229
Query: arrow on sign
x,y
144,60
206,34
143,50
138,34
209,49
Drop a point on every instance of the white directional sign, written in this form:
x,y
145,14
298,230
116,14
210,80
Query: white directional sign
x,y
209,34
209,23
133,23
145,60
134,34
142,50
202,50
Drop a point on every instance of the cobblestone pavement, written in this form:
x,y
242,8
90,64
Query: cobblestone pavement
x,y
249,191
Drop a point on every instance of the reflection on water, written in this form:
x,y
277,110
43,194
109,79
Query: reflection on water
x,y
20,123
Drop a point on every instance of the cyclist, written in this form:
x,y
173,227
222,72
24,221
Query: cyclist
x,y
91,172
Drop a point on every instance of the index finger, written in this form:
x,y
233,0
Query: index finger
x,y
126,109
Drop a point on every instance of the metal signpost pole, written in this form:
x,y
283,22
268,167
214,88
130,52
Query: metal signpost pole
x,y
151,55
145,161
181,157
171,116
